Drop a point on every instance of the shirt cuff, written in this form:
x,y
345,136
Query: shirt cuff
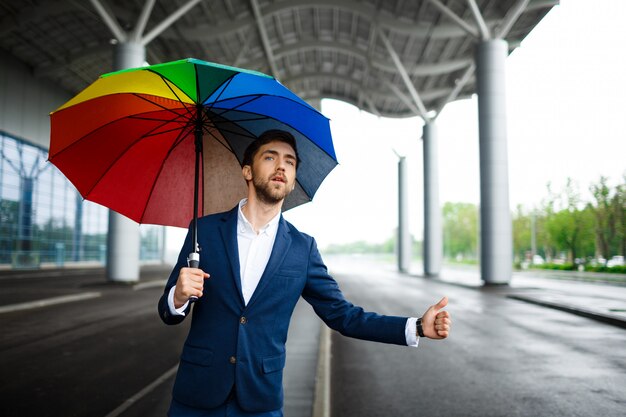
x,y
410,332
179,311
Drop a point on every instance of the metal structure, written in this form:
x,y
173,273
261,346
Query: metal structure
x,y
393,58
344,49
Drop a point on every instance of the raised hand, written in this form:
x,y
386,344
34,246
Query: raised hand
x,y
436,323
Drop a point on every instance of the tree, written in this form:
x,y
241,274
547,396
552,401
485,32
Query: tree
x,y
618,204
572,227
460,229
521,233
604,217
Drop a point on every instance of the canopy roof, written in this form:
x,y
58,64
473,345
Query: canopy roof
x,y
342,49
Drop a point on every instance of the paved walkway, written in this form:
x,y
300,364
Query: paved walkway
x,y
560,290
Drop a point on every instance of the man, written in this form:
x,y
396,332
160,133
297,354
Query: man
x,y
254,266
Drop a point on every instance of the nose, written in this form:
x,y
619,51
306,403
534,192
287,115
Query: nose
x,y
280,164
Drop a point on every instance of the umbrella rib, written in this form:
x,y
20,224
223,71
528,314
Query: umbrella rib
x,y
185,108
158,119
258,96
287,124
167,83
225,145
160,132
242,120
225,86
253,98
250,134
120,154
181,136
79,140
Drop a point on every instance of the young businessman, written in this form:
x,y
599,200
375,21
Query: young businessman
x,y
253,269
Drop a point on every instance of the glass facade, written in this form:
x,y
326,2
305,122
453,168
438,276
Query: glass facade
x,y
44,220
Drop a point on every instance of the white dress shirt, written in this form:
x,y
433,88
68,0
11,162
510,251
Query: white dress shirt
x,y
254,253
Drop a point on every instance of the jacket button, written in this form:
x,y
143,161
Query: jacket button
x,y
232,360
243,320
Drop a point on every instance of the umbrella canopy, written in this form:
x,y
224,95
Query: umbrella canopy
x,y
130,139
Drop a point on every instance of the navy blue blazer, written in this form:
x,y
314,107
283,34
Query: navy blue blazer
x,y
230,343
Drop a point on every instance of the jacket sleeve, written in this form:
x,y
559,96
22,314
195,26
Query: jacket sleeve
x,y
324,295
163,307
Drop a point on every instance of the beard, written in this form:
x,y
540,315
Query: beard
x,y
268,192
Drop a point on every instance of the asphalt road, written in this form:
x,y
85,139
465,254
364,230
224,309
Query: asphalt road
x,y
504,357
83,358
104,352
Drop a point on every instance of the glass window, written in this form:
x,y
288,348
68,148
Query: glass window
x,y
43,218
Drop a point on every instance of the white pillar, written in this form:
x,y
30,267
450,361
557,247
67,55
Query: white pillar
x,y
404,247
496,247
123,239
433,242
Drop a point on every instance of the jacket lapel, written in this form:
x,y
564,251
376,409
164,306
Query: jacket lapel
x,y
279,251
228,230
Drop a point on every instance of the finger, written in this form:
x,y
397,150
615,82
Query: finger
x,y
193,291
192,271
442,303
444,320
443,334
443,314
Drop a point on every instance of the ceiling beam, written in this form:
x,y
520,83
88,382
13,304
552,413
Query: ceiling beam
x,y
351,50
405,76
170,20
365,11
480,21
459,84
110,21
403,97
142,21
70,60
32,14
455,18
264,38
375,93
511,17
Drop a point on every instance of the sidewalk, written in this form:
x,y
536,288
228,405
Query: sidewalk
x,y
599,301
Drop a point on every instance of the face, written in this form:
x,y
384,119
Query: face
x,y
273,172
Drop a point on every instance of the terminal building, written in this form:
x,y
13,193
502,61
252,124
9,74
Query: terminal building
x,y
391,58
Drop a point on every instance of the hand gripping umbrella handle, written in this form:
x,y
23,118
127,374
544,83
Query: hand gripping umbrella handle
x,y
193,261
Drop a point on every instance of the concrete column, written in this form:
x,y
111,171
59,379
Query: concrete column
x,y
433,241
123,239
316,103
496,242
404,247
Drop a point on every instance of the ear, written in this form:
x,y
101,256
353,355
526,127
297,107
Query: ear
x,y
247,172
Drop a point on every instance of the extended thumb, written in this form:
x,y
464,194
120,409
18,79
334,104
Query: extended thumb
x,y
442,303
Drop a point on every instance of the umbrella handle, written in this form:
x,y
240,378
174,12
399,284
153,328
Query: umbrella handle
x,y
193,261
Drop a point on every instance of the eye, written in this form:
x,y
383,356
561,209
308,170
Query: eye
x,y
269,158
290,162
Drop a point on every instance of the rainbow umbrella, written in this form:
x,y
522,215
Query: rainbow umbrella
x,y
163,144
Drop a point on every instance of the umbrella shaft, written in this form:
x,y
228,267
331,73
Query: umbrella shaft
x,y
196,186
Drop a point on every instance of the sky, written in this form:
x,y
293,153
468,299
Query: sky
x,y
566,99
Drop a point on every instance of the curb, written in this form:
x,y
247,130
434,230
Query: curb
x,y
595,315
321,399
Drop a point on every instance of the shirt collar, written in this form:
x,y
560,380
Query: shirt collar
x,y
243,225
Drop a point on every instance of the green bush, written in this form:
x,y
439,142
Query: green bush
x,y
602,268
588,268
